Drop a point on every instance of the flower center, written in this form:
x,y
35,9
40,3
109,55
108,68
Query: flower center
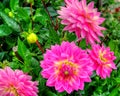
x,y
66,72
12,90
66,69
101,56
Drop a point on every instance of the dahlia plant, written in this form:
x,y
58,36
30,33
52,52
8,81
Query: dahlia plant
x,y
38,57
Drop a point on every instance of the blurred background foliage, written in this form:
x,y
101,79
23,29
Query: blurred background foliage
x,y
19,18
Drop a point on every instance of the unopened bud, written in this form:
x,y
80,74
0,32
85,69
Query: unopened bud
x,y
32,38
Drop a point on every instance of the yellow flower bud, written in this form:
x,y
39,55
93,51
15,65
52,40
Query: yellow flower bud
x,y
11,14
32,38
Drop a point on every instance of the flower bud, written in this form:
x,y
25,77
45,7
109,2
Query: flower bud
x,y
11,14
32,38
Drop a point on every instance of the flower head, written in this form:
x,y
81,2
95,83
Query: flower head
x,y
103,60
82,19
16,83
66,67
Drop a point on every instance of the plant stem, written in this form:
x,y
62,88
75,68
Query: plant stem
x,y
39,46
99,4
43,2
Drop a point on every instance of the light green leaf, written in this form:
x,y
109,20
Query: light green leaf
x,y
14,4
117,80
22,50
40,16
22,14
112,45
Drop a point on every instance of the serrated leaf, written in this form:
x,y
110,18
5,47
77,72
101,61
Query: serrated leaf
x,y
14,4
10,22
22,14
53,35
5,30
40,16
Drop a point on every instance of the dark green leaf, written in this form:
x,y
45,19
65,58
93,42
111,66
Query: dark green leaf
x,y
114,92
49,93
2,55
53,35
10,22
5,30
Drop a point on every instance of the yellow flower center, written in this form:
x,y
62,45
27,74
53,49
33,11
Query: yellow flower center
x,y
12,90
101,56
58,66
66,72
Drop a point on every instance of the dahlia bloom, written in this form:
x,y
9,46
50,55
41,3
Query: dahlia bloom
x,y
16,83
103,60
66,67
82,19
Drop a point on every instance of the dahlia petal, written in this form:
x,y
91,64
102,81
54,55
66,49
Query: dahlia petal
x,y
51,81
91,5
83,34
94,36
84,3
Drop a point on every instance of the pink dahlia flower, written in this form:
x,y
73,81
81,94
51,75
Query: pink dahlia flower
x,y
103,60
16,83
66,67
82,19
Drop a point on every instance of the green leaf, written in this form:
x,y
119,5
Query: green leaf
x,y
22,50
114,92
53,35
40,16
5,30
112,45
1,6
2,55
49,93
14,4
83,44
117,80
10,22
22,14
52,11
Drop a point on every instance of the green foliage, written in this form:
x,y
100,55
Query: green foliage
x,y
19,18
